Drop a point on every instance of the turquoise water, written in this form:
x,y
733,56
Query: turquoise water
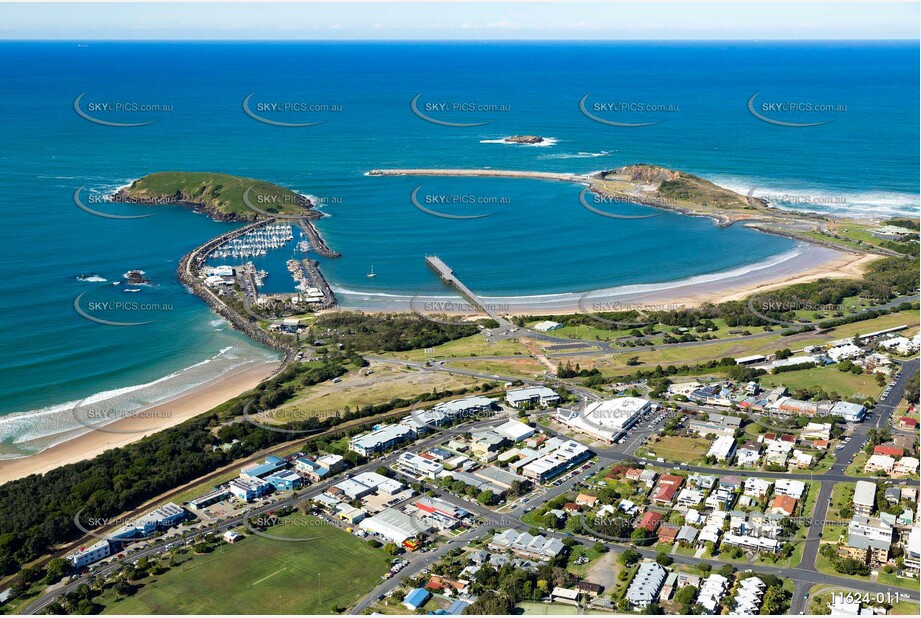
x,y
537,240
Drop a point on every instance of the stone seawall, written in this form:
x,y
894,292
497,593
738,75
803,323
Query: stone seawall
x,y
194,259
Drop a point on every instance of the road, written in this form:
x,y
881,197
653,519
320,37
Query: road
x,y
803,575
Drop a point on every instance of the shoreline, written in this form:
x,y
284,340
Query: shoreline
x,y
143,422
800,268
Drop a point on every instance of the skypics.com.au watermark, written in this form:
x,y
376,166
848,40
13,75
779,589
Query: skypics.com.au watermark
x,y
288,113
113,113
449,111
790,113
271,204
94,199
794,199
765,307
114,308
88,414
593,304
434,204
595,203
439,310
626,114
278,420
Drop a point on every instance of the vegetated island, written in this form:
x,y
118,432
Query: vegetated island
x,y
220,196
233,198
663,188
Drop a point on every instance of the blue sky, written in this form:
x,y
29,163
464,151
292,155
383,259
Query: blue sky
x,y
460,21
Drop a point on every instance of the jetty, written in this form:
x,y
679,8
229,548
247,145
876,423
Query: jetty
x,y
483,173
316,241
446,274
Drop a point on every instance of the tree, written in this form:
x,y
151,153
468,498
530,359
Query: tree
x,y
486,497
663,559
684,598
392,549
630,557
55,570
726,570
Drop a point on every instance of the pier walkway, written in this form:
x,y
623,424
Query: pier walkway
x,y
447,275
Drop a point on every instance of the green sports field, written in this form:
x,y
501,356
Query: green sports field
x,y
262,576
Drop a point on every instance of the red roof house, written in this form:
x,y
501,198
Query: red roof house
x,y
885,449
650,521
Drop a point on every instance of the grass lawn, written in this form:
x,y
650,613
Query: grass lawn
x,y
856,468
845,383
823,565
385,383
841,497
680,449
263,576
524,367
716,350
474,345
536,608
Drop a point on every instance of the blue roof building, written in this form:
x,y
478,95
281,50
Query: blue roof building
x,y
271,464
457,607
416,598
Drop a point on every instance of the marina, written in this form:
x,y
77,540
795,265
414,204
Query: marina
x,y
257,242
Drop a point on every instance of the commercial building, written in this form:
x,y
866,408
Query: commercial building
x,y
286,480
547,325
248,488
439,513
567,455
516,431
271,465
381,439
419,466
393,526
606,420
538,395
717,424
212,497
851,412
88,555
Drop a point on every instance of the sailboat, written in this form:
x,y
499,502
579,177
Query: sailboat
x,y
372,274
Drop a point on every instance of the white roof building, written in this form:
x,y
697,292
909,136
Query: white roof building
x,y
393,525
516,431
606,419
723,448
790,487
879,462
844,352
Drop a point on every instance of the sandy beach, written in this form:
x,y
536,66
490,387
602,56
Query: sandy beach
x,y
808,263
144,422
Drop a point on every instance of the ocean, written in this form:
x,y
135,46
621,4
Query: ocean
x,y
532,237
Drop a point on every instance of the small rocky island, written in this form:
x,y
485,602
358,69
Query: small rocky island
x,y
524,139
136,277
